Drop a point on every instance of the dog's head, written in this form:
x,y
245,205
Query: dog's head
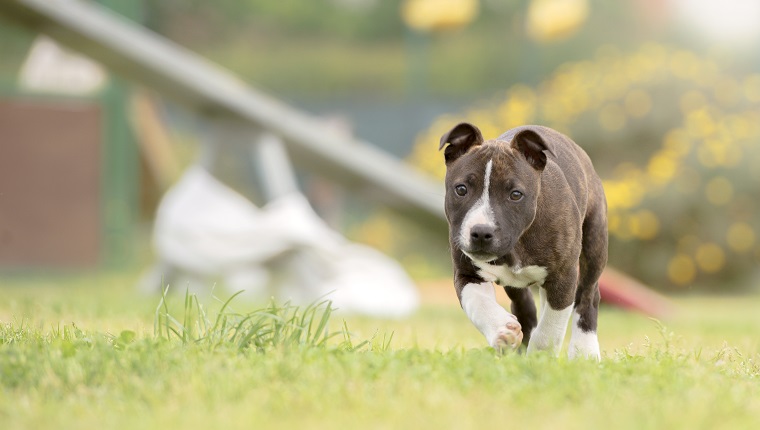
x,y
492,189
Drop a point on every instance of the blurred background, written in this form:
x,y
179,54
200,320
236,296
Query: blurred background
x,y
664,95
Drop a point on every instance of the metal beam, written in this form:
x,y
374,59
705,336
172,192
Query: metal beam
x,y
144,57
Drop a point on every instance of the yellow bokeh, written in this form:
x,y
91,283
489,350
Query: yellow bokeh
x,y
554,19
652,57
719,191
727,92
740,237
615,88
688,180
644,224
612,117
692,100
647,225
715,152
710,257
739,126
662,167
519,109
638,103
615,84
681,269
706,156
428,15
620,226
688,244
752,88
685,65
613,222
700,123
678,141
628,170
623,194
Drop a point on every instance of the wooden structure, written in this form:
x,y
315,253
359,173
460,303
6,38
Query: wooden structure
x,y
148,59
242,115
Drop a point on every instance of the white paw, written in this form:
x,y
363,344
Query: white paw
x,y
539,342
584,345
550,331
507,338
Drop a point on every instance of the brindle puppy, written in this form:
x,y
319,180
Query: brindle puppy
x,y
526,210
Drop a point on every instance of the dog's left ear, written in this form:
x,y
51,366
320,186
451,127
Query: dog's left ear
x,y
461,138
532,146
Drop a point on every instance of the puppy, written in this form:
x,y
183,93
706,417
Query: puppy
x,y
526,210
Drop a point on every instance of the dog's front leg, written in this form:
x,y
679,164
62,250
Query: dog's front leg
x,y
556,307
500,328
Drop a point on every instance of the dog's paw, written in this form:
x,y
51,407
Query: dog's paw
x,y
584,345
508,338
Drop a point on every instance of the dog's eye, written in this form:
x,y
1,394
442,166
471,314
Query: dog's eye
x,y
515,195
461,190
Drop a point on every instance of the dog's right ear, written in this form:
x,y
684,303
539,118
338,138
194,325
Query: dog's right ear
x,y
460,139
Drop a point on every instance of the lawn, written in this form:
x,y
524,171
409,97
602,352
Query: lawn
x,y
85,352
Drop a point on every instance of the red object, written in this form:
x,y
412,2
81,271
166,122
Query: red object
x,y
619,289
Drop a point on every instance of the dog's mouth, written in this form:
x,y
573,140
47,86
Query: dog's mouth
x,y
490,259
499,261
482,257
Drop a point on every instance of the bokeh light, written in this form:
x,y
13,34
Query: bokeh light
x,y
682,136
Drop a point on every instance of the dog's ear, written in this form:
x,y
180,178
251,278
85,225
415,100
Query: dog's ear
x,y
460,139
532,146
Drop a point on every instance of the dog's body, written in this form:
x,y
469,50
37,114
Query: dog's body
x,y
526,209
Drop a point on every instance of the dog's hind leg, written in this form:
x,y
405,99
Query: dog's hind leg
x,y
524,308
584,342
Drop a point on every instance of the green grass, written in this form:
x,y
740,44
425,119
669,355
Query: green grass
x,y
87,352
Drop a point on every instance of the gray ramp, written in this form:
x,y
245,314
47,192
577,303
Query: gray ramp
x,y
149,59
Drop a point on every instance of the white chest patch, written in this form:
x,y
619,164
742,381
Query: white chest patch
x,y
516,277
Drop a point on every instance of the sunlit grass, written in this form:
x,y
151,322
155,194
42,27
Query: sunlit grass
x,y
73,356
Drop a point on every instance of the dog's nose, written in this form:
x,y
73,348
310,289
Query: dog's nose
x,y
481,235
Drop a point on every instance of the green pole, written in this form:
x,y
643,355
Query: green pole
x,y
120,161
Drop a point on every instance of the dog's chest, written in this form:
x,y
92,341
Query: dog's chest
x,y
516,277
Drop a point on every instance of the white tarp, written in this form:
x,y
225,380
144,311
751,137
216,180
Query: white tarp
x,y
205,231
50,68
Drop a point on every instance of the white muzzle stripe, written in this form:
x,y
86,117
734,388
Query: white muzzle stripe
x,y
481,212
